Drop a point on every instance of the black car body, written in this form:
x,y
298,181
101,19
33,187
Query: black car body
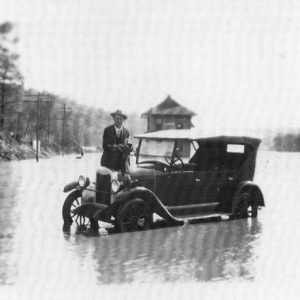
x,y
179,176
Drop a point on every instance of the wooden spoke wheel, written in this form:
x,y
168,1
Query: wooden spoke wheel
x,y
134,215
247,206
72,201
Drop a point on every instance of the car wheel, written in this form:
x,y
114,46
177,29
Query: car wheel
x,y
134,215
72,201
247,206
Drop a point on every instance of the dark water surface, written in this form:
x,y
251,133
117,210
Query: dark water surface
x,y
242,258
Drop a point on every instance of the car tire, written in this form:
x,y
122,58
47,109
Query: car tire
x,y
72,201
134,215
247,205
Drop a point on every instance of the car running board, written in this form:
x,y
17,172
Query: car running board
x,y
192,219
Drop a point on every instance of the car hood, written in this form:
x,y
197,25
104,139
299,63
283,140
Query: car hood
x,y
140,173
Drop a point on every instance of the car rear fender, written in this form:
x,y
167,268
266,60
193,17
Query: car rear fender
x,y
253,187
138,192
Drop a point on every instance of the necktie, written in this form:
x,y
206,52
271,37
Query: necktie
x,y
118,132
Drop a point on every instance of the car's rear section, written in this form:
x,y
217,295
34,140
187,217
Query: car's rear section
x,y
221,182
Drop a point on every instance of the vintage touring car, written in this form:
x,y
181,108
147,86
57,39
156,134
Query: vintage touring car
x,y
178,176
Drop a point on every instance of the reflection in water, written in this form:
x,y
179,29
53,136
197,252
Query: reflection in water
x,y
199,252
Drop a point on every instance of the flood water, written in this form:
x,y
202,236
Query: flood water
x,y
237,259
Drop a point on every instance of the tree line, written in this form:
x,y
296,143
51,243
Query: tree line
x,y
287,142
61,123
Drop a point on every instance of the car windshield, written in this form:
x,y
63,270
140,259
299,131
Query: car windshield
x,y
159,150
155,150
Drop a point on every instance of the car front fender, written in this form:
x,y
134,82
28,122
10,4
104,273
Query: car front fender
x,y
88,209
249,185
70,186
139,192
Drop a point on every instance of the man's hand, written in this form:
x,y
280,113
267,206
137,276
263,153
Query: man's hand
x,y
119,147
127,178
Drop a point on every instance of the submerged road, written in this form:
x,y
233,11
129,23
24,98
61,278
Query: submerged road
x,y
36,256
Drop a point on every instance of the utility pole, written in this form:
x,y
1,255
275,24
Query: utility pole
x,y
37,127
28,121
18,122
63,133
48,125
57,138
37,98
64,112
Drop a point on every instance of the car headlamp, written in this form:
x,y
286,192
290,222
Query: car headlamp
x,y
115,186
83,182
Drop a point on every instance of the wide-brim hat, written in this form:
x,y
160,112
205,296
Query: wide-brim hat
x,y
118,112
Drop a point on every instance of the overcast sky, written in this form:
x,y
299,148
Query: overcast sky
x,y
235,62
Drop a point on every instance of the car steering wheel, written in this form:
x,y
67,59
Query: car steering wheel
x,y
176,158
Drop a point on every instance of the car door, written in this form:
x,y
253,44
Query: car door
x,y
219,168
207,184
208,175
173,188
188,193
179,186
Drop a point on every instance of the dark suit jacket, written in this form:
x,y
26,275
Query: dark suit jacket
x,y
111,157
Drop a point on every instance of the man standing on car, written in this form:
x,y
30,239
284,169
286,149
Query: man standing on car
x,y
115,145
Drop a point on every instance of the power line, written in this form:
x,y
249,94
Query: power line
x,y
38,99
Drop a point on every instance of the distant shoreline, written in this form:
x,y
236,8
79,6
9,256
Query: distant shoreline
x,y
13,150
17,154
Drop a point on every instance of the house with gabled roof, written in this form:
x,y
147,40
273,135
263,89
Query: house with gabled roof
x,y
169,114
